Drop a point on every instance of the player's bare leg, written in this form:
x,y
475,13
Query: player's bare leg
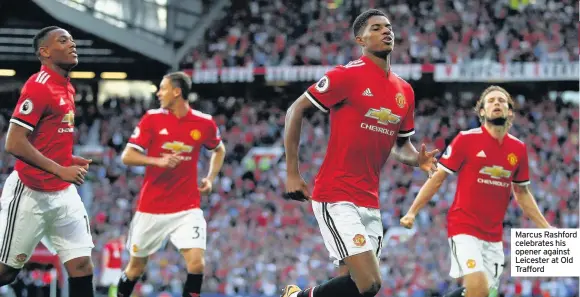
x,y
131,275
80,271
476,284
195,260
364,280
343,269
7,274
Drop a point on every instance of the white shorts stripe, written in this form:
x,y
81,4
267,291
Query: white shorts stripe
x,y
9,233
332,227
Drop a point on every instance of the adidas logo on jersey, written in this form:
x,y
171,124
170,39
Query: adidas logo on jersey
x,y
163,132
481,154
367,93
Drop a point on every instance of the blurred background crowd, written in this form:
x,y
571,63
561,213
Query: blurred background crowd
x,y
273,33
258,242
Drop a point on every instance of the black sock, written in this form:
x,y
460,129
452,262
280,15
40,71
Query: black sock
x,y
459,292
192,286
125,286
81,286
338,286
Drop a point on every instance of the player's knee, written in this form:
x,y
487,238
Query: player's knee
x,y
82,266
196,265
371,290
7,275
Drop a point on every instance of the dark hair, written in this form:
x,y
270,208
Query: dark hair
x,y
40,36
361,20
180,80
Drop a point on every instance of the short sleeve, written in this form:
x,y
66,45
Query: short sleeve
x,y
141,137
454,155
214,138
408,126
329,90
522,176
30,108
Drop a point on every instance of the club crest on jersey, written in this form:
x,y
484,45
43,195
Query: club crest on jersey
x,y
135,248
496,172
195,134
512,159
384,116
177,147
400,99
26,107
323,84
359,240
470,263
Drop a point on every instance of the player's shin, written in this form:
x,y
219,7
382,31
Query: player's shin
x,y
192,286
81,286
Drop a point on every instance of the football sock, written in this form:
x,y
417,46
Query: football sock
x,y
338,286
125,286
192,286
459,292
81,286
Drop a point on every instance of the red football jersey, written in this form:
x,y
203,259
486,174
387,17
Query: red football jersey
x,y
486,169
47,108
368,111
113,250
160,132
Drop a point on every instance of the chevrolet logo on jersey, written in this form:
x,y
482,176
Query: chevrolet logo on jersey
x,y
69,118
383,115
177,147
496,172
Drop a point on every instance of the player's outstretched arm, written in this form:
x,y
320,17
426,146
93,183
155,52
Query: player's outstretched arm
x,y
133,157
425,194
292,129
527,203
405,152
18,145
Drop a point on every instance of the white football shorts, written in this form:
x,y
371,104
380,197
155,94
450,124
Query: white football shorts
x,y
185,229
470,254
27,215
348,229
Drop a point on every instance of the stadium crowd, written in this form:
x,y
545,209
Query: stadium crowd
x,y
274,33
258,242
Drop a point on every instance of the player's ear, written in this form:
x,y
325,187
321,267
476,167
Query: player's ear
x,y
510,115
481,112
176,92
43,52
358,39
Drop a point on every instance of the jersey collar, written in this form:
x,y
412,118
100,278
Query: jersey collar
x,y
486,132
56,77
375,67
